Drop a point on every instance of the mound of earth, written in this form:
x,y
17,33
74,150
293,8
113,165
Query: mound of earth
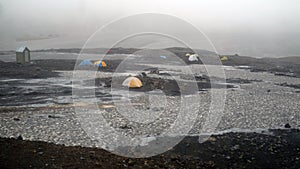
x,y
168,86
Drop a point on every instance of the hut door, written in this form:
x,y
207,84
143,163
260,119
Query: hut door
x,y
26,56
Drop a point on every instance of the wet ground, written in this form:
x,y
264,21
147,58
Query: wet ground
x,y
37,104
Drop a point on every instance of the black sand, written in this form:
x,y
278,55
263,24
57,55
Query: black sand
x,y
231,150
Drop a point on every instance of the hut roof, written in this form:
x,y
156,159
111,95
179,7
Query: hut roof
x,y
22,49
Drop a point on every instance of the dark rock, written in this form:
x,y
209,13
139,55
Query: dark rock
x,y
287,126
154,71
20,137
53,116
144,74
16,119
125,127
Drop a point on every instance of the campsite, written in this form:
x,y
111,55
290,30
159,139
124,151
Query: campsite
x,y
38,117
140,84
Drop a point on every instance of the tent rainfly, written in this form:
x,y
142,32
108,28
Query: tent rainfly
x,y
85,62
224,58
193,58
23,55
132,82
100,63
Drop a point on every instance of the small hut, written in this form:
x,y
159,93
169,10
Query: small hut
x,y
23,55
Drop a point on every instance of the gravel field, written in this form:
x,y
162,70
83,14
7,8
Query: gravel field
x,y
255,105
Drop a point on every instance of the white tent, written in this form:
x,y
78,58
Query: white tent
x,y
193,58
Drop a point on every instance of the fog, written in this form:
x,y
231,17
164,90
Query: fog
x,y
263,29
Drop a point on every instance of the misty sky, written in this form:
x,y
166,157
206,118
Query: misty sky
x,y
258,27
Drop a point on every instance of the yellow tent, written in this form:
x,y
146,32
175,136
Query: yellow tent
x,y
100,63
187,55
132,82
224,58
